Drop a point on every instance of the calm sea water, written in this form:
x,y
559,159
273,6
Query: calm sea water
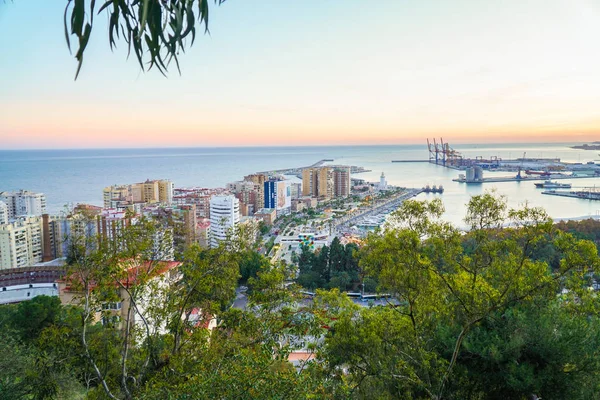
x,y
78,176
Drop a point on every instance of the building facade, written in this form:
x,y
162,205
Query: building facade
x,y
278,196
21,243
3,213
224,217
148,192
318,182
341,182
197,196
23,204
152,276
259,182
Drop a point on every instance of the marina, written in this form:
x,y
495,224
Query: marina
x,y
375,216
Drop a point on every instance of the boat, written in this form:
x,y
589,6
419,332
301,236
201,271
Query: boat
x,y
552,185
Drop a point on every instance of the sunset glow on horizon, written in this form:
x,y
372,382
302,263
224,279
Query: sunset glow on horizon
x,y
317,72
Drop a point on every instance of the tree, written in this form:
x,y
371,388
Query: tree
x,y
455,282
246,357
31,317
490,313
251,263
155,302
537,348
39,350
161,29
263,228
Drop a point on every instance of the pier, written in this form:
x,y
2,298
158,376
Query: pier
x,y
523,178
590,194
296,170
410,161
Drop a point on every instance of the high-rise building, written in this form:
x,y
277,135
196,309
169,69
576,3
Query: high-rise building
x,y
111,225
248,194
296,190
224,217
3,213
117,195
259,182
307,182
60,231
181,217
318,182
21,243
151,191
198,196
341,181
24,204
278,195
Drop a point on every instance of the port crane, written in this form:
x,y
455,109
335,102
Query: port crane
x,y
441,153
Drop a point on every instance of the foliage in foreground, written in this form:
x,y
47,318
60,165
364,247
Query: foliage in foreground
x,y
504,311
157,31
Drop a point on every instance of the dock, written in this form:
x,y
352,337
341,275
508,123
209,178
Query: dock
x,y
581,194
411,161
523,178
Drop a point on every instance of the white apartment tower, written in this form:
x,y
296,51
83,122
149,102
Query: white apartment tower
x,y
23,203
224,217
3,213
21,243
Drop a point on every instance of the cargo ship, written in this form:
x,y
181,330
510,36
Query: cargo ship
x,y
552,185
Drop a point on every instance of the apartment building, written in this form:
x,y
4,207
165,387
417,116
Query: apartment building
x,y
182,218
23,204
21,243
341,182
224,217
203,232
148,192
157,275
318,182
3,213
60,231
200,197
259,182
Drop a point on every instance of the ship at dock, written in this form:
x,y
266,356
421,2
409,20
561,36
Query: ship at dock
x,y
552,185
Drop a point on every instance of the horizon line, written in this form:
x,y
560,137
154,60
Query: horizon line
x,y
424,143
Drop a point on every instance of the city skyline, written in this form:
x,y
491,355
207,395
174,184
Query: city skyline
x,y
316,73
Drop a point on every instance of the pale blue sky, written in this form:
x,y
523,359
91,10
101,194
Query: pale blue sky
x,y
327,71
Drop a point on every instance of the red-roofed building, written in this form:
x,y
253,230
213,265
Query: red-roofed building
x,y
160,273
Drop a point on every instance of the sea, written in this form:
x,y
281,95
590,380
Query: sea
x,y
68,177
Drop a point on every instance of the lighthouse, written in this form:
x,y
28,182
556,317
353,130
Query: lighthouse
x,y
382,182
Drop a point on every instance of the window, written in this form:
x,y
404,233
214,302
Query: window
x,y
111,306
110,320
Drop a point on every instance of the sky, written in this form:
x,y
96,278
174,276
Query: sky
x,y
283,72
